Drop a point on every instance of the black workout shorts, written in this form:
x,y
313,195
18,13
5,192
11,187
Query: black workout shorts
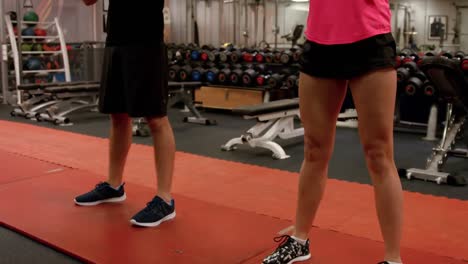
x,y
134,81
346,61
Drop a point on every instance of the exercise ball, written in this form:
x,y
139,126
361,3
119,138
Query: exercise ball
x,y
34,64
26,47
37,47
31,16
28,32
39,32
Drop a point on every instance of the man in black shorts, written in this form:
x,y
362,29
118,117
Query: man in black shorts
x,y
135,84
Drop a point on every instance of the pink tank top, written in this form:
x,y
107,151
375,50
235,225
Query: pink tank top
x,y
332,22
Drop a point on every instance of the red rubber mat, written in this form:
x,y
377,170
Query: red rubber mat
x,y
201,232
14,167
432,224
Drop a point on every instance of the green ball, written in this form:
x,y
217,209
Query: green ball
x,y
37,47
26,47
31,16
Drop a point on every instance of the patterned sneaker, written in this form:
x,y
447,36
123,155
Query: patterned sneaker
x,y
155,212
288,252
103,193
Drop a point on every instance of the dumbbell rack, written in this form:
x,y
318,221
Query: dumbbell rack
x,y
17,53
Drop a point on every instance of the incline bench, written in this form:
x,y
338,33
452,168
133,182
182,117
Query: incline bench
x,y
452,85
55,101
274,119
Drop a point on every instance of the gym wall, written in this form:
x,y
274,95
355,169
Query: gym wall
x,y
221,22
226,21
421,10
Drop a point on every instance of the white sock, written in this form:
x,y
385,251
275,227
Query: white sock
x,y
116,188
303,242
391,262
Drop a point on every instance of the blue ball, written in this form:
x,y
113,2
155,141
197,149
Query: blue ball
x,y
34,64
211,76
196,76
28,32
195,55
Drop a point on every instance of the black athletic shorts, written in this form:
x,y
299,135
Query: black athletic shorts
x,y
346,61
135,81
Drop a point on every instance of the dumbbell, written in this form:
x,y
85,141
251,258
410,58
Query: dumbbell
x,y
174,72
269,57
247,56
185,73
223,75
235,76
405,71
286,57
261,68
297,55
464,64
198,74
399,61
429,89
459,55
260,57
412,57
405,52
212,55
262,79
277,57
212,75
223,56
415,83
446,54
291,81
276,81
235,56
249,77
195,54
181,54
205,54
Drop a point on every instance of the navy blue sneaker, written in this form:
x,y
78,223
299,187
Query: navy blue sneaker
x,y
155,212
289,251
102,193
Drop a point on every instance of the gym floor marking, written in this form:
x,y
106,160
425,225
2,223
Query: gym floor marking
x,y
54,170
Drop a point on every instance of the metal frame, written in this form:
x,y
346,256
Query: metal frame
x,y
3,57
442,152
58,113
269,127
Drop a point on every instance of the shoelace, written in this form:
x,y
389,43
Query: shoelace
x,y
101,185
282,240
152,204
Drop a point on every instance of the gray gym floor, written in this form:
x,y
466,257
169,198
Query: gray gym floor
x,y
410,151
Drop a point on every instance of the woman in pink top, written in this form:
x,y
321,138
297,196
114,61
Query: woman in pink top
x,y
349,44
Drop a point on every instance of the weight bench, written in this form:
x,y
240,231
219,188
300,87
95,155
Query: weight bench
x,y
37,100
452,85
69,98
178,92
274,119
